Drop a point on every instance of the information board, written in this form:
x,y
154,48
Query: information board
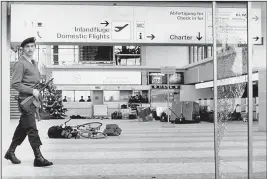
x,y
130,24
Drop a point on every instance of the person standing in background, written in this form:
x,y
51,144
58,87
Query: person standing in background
x,y
81,100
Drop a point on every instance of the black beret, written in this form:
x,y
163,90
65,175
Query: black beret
x,y
27,41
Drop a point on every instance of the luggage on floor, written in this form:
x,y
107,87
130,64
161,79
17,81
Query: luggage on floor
x,y
116,115
155,116
124,106
59,132
179,120
132,116
163,117
112,130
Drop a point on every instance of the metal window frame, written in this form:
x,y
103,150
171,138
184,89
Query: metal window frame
x,y
214,33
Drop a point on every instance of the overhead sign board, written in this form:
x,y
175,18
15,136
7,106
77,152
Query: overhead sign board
x,y
129,24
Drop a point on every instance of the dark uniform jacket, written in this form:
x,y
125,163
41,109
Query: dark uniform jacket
x,y
25,76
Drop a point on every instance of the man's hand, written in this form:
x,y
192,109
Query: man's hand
x,y
36,93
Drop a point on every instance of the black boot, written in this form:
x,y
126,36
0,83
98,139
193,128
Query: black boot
x,y
10,154
39,160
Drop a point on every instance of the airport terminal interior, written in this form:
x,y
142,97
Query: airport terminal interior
x,y
189,99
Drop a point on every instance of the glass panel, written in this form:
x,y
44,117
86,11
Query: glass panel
x,y
82,96
232,130
111,96
161,95
125,95
65,56
68,96
259,94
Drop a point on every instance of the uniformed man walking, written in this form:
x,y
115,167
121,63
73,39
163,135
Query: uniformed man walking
x,y
25,76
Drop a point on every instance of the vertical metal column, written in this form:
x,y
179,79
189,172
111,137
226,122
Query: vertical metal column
x,y
168,97
215,89
250,91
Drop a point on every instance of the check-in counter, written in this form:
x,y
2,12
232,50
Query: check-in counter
x,y
84,109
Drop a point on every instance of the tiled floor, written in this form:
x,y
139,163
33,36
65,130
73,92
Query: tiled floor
x,y
145,150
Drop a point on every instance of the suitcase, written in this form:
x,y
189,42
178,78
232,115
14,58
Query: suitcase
x,y
112,130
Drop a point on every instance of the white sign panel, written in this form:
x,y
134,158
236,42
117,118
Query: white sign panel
x,y
96,78
129,24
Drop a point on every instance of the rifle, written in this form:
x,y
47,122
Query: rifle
x,y
26,103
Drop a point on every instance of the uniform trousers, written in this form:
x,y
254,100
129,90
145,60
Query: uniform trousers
x,y
27,127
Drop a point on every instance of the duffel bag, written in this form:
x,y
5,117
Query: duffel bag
x,y
59,132
55,132
112,130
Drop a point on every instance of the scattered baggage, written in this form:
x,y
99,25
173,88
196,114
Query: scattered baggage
x,y
132,116
112,130
155,116
163,117
116,115
124,106
59,132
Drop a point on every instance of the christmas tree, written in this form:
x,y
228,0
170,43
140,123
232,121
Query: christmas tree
x,y
52,103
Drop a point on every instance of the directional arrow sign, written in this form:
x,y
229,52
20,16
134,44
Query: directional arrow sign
x,y
199,37
157,25
106,22
152,36
256,38
256,18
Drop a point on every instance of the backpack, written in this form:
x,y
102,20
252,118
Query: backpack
x,y
112,130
